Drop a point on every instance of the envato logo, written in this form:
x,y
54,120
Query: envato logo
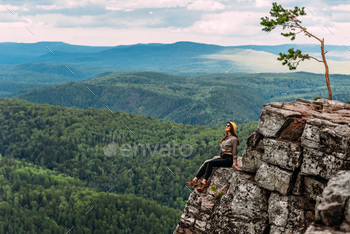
x,y
136,149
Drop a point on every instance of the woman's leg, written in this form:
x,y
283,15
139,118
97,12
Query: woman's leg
x,y
220,162
202,170
208,161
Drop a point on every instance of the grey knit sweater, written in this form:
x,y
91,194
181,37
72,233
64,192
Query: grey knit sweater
x,y
229,145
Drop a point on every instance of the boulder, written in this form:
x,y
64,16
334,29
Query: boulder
x,y
201,205
244,208
289,214
273,121
280,153
274,178
320,164
333,208
251,159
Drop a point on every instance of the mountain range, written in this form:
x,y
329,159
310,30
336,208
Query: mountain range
x,y
177,58
27,66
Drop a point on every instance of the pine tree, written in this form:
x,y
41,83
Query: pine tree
x,y
288,19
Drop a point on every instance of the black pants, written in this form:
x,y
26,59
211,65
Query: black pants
x,y
225,161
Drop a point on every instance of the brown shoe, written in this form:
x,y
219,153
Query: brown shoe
x,y
202,186
192,182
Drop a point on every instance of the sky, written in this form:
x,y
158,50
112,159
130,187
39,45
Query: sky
x,y
117,22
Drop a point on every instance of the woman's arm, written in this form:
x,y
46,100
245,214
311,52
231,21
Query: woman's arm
x,y
234,152
234,147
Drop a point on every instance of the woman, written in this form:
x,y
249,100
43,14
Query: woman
x,y
228,154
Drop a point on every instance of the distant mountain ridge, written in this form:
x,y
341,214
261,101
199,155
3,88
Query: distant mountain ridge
x,y
12,52
57,62
23,51
183,58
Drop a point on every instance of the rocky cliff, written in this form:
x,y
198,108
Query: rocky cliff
x,y
295,176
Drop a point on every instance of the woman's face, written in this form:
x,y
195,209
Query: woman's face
x,y
227,127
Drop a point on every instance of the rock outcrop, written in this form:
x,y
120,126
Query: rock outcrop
x,y
333,207
296,150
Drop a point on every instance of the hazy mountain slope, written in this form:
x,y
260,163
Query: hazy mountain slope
x,y
205,100
334,52
72,62
19,78
173,98
192,58
12,52
177,58
261,61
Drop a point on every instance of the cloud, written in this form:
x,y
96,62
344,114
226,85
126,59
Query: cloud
x,y
12,8
121,5
89,21
49,7
8,7
340,17
341,8
205,6
66,4
223,22
262,3
227,23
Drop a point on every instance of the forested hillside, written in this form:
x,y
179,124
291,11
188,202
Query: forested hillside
x,y
73,141
19,78
37,200
207,100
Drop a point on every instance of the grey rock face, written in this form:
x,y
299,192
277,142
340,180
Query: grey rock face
x,y
323,230
332,208
292,214
273,178
199,210
251,159
318,163
334,200
313,187
295,176
283,154
249,201
328,137
311,136
244,204
273,120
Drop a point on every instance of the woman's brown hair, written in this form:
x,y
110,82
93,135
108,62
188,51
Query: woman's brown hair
x,y
233,134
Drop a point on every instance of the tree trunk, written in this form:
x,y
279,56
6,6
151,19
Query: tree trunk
x,y
327,70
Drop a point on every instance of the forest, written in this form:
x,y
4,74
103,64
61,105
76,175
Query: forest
x,y
37,200
53,155
211,99
62,163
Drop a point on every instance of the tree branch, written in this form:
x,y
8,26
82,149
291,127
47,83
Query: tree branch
x,y
302,28
308,56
